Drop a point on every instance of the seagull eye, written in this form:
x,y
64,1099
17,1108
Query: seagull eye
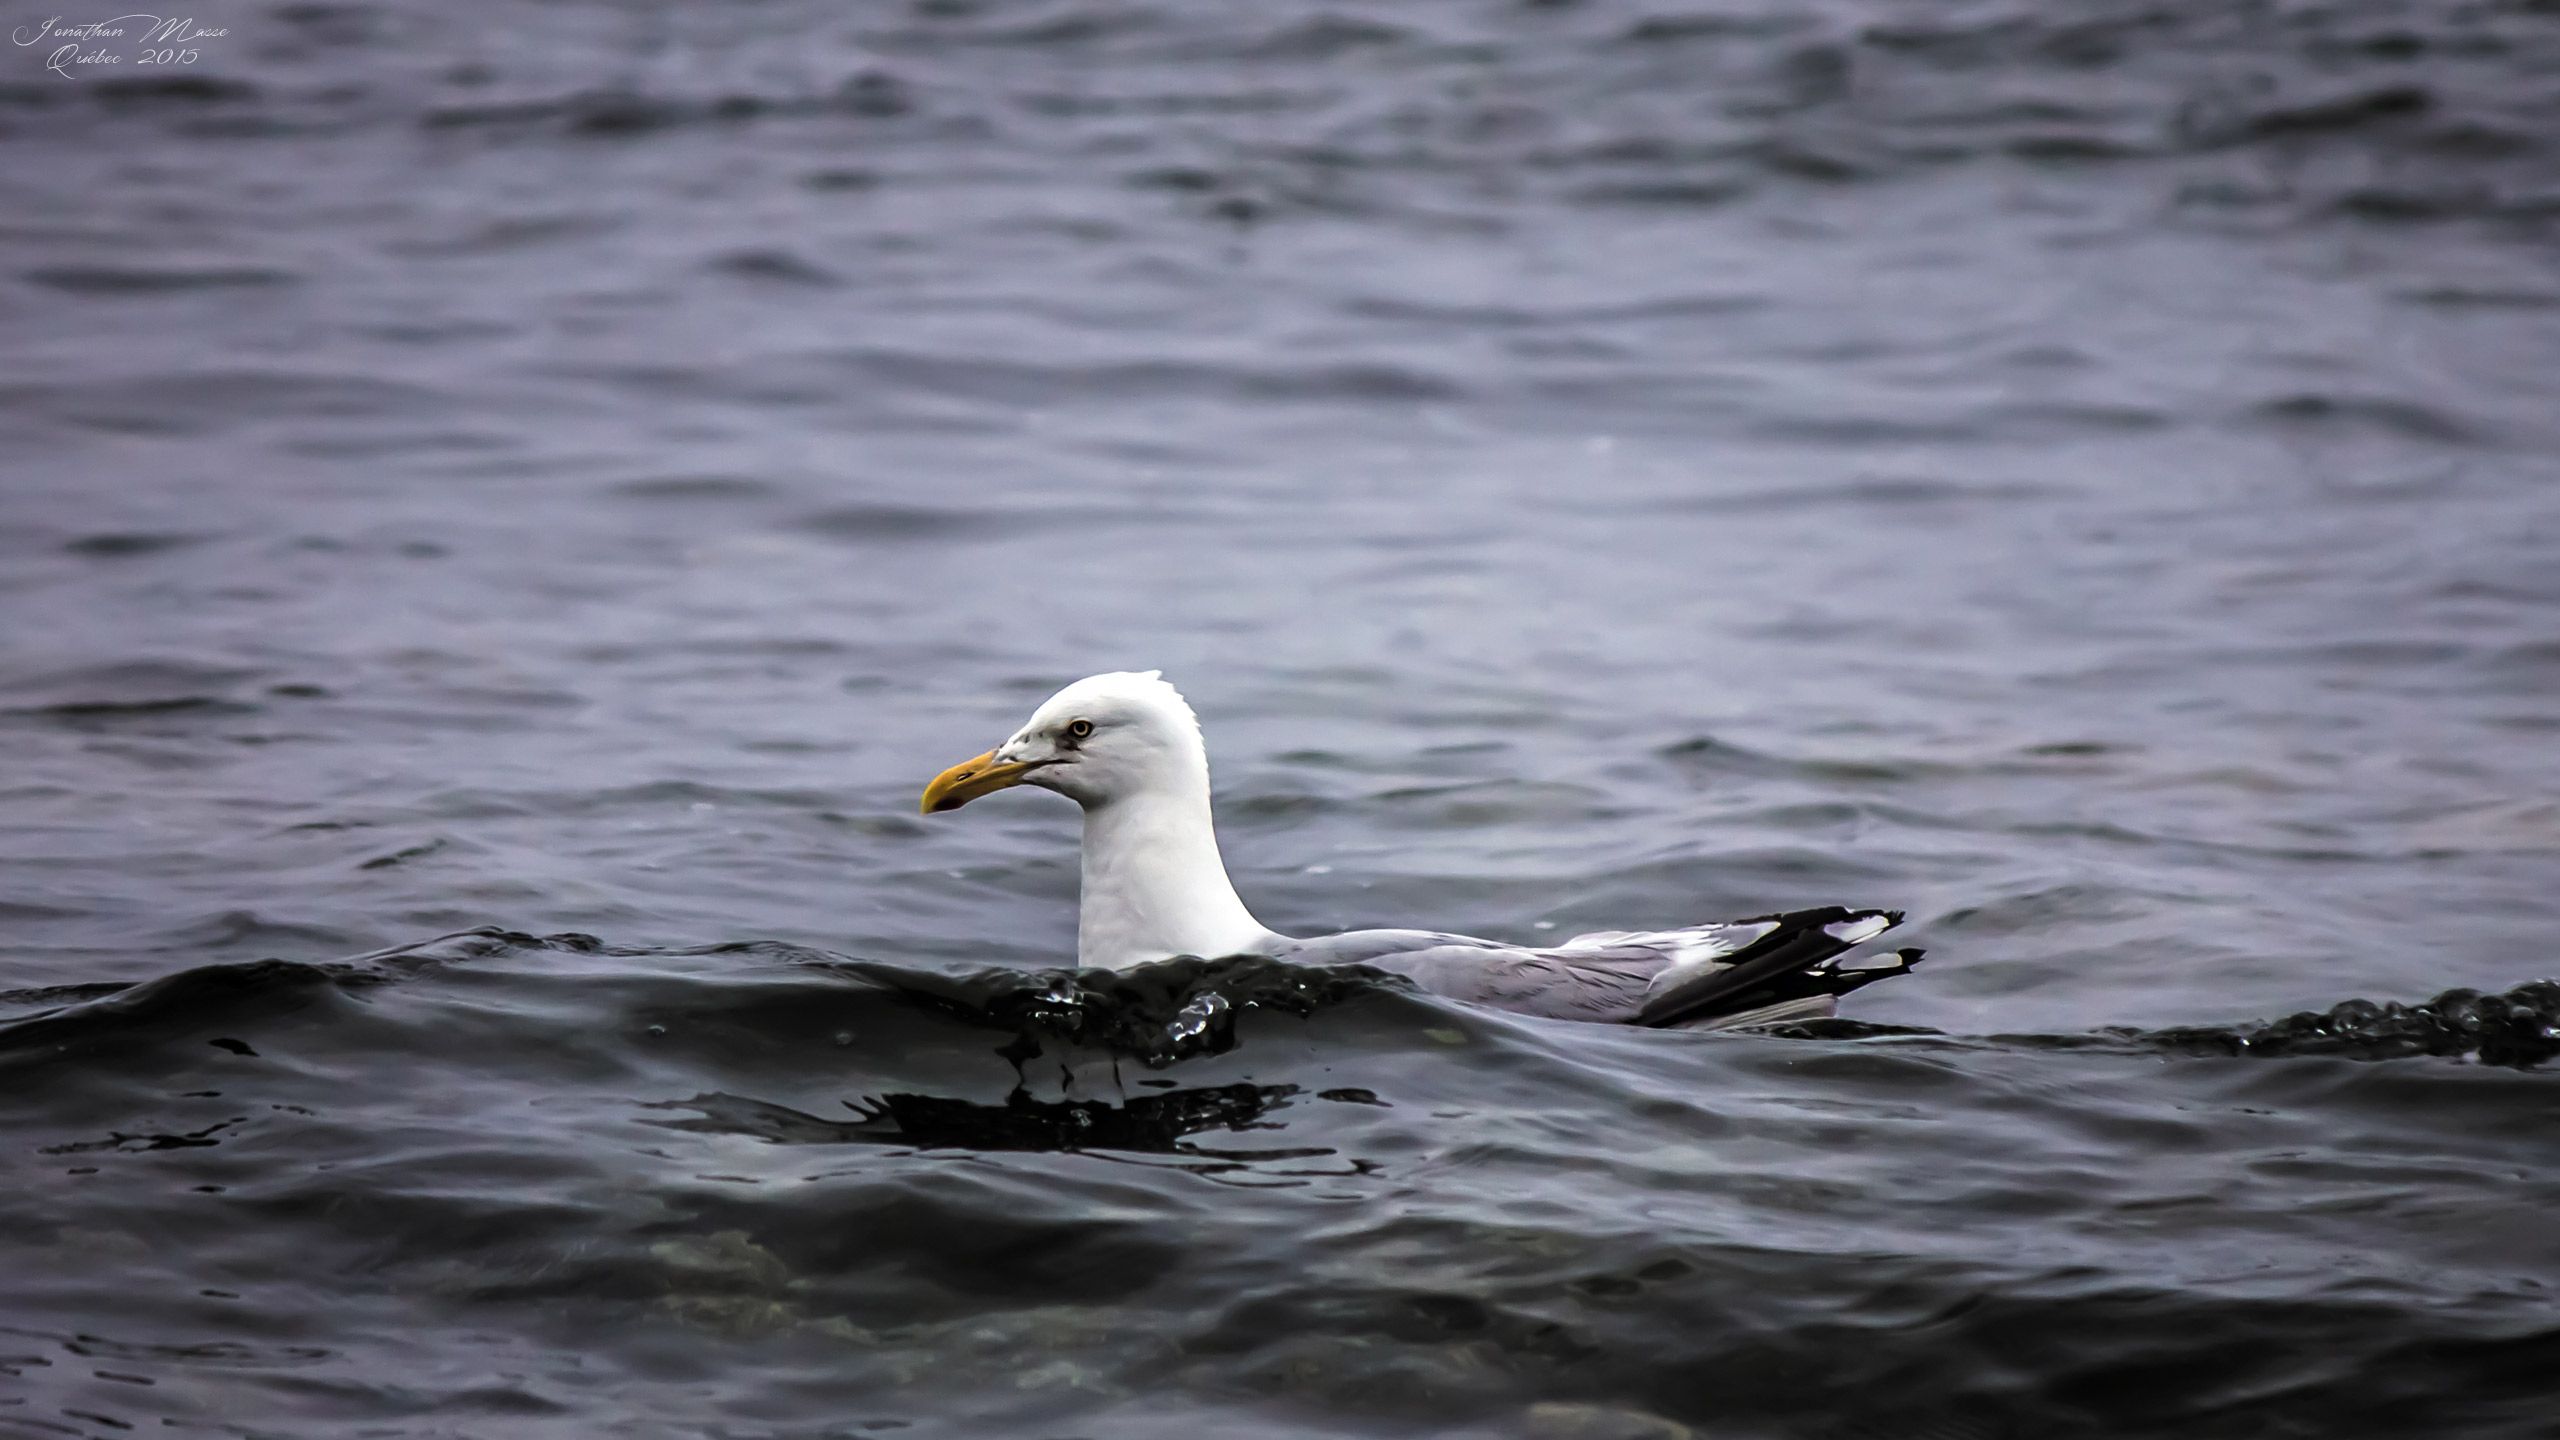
x,y
1079,729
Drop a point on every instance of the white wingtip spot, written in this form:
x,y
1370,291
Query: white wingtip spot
x,y
1859,931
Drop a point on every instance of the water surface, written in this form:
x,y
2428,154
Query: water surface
x,y
576,470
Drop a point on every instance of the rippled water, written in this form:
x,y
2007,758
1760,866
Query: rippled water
x,y
2086,479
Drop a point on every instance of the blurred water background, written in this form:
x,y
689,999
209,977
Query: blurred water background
x,y
2084,476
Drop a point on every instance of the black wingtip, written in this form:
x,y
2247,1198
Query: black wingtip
x,y
1797,960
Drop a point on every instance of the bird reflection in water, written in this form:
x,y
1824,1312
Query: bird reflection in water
x,y
1136,1126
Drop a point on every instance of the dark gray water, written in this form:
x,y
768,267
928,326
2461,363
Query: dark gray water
x,y
2084,476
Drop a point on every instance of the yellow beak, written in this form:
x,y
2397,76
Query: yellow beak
x,y
970,779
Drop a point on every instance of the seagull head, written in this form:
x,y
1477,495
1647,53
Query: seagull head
x,y
1101,739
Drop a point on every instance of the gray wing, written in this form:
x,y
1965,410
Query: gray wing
x,y
1566,985
1771,968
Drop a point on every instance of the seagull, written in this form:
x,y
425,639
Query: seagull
x,y
1127,747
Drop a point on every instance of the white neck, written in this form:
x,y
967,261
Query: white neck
x,y
1153,883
